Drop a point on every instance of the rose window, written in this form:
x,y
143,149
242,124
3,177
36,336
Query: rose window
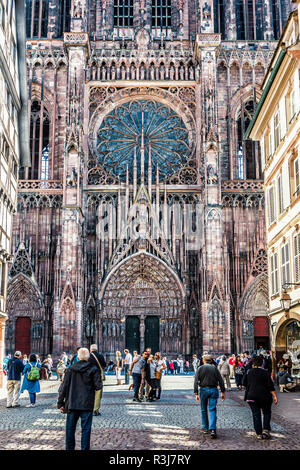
x,y
141,130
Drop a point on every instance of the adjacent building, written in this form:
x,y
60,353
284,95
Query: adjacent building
x,y
14,135
139,108
276,125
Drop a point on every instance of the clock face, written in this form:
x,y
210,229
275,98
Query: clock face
x,y
142,128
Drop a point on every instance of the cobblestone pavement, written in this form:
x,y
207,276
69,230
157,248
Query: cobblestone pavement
x,y
173,423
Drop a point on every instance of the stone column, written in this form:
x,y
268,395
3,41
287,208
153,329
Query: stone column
x,y
3,319
207,47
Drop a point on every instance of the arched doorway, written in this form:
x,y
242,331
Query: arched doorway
x,y
254,327
143,286
25,327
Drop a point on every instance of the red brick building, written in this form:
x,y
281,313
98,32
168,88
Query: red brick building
x,y
141,219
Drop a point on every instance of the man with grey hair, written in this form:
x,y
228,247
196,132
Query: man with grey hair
x,y
97,360
77,396
14,370
207,380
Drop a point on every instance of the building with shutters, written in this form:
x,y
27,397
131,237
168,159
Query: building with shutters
x,y
141,219
276,125
14,135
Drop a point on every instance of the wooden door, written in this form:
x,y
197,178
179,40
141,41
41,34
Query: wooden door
x,y
132,334
23,336
152,333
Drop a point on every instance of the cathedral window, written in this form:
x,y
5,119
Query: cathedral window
x,y
246,149
64,17
123,13
161,14
39,142
220,18
249,19
142,130
37,18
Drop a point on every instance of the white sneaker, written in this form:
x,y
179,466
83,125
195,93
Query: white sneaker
x,y
31,405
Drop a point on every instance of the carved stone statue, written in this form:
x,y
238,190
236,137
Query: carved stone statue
x,y
162,72
152,72
181,72
113,72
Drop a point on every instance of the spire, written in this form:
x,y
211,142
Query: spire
x,y
150,174
134,174
157,192
142,151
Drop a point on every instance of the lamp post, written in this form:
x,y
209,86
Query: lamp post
x,y
285,301
285,298
286,285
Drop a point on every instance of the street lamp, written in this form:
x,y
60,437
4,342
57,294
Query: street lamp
x,y
285,298
286,285
285,301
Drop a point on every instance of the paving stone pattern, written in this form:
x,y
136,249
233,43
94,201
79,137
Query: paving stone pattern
x,y
173,423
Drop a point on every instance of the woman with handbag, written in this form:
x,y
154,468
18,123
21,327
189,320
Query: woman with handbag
x,y
160,366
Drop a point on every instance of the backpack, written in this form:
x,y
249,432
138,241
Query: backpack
x,y
33,374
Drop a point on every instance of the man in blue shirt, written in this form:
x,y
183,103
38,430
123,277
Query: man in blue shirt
x,y
14,370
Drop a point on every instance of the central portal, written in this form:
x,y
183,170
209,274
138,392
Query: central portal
x,y
143,304
133,339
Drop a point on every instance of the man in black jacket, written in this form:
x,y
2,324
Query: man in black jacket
x,y
14,369
207,379
97,360
77,396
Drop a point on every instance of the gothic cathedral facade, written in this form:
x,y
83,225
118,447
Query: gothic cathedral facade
x,y
140,221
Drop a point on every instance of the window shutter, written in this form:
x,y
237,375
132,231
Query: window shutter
x,y
280,194
285,175
274,273
271,206
297,257
297,176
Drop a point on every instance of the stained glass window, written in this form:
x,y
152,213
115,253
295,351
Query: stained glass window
x,y
161,13
123,13
140,128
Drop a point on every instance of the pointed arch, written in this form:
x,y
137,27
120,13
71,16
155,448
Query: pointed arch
x,y
25,301
254,304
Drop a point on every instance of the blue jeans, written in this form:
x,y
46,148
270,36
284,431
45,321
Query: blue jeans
x,y
86,426
209,398
257,408
137,378
126,368
32,397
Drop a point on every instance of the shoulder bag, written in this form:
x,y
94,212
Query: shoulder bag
x,y
99,365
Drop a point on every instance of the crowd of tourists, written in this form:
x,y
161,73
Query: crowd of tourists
x,y
82,376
